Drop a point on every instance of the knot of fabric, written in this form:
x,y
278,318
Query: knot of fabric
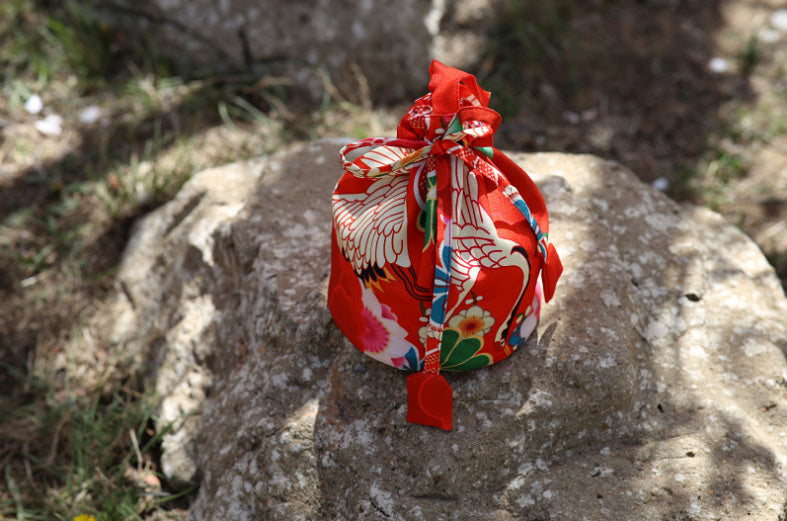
x,y
474,124
454,102
454,118
371,158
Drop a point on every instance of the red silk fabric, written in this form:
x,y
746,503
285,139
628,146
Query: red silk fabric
x,y
438,241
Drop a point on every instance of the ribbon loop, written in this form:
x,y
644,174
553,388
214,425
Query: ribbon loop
x,y
373,158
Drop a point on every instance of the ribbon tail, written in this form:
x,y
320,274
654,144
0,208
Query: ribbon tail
x,y
551,272
430,400
429,397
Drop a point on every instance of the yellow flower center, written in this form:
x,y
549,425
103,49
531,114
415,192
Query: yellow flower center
x,y
471,326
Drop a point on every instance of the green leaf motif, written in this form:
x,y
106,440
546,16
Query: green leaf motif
x,y
461,354
430,215
487,151
454,126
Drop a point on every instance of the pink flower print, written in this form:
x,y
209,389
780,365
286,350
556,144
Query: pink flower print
x,y
375,338
383,338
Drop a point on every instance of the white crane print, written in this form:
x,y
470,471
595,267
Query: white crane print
x,y
476,243
372,226
372,231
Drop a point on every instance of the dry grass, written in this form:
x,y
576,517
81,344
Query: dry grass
x,y
75,424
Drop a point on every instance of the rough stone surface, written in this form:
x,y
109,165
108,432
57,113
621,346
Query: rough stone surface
x,y
361,46
656,387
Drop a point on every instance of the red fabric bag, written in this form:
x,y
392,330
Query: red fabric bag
x,y
437,245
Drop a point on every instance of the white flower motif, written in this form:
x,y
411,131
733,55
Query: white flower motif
x,y
472,322
423,334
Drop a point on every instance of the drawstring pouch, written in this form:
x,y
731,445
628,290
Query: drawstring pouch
x,y
437,245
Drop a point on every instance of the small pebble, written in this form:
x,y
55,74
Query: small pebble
x,y
29,281
660,183
768,35
589,114
33,105
571,117
144,195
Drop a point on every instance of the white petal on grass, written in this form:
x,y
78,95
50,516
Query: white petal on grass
x,y
719,65
90,115
33,105
50,125
779,20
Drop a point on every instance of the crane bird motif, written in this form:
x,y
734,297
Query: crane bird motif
x,y
476,243
373,230
373,225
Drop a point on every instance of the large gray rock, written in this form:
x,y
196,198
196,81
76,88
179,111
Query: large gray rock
x,y
369,49
656,387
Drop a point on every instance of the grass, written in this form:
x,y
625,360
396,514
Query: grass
x,y
616,79
71,447
69,452
139,153
532,48
82,442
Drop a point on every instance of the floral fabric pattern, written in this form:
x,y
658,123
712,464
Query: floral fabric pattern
x,y
438,238
472,321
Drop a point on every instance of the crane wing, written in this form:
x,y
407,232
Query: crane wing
x,y
475,239
371,228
